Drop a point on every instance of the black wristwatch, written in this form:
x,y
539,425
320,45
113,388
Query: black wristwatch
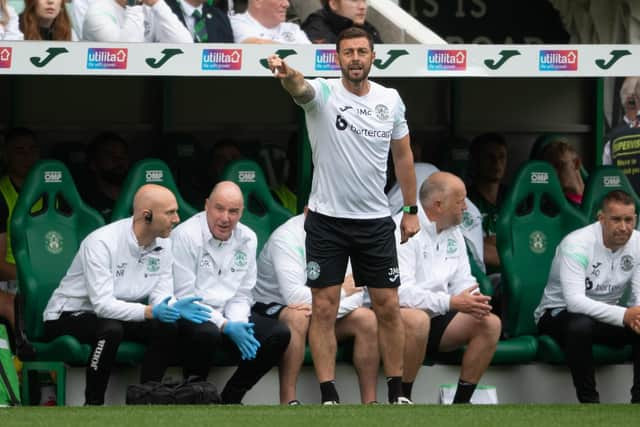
x,y
411,210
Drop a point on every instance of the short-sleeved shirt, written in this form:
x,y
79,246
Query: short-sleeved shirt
x,y
350,138
244,26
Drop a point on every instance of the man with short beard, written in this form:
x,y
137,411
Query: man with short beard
x,y
353,123
108,164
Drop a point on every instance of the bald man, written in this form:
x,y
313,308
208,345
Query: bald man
x,y
440,303
116,267
215,259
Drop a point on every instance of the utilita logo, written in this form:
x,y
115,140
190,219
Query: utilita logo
x,y
5,57
326,60
221,59
558,60
107,58
447,60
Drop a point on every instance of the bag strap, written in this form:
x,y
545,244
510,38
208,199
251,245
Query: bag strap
x,y
7,385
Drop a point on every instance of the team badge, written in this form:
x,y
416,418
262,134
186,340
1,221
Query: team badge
x,y
452,246
53,242
382,112
626,263
288,37
537,242
153,264
240,259
313,270
467,220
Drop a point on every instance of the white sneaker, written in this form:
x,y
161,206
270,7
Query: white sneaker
x,y
330,402
402,401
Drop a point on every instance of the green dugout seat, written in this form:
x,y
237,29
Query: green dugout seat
x,y
550,352
148,171
262,213
508,352
533,219
602,181
44,243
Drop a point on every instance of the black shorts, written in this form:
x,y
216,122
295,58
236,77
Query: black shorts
x,y
271,310
369,243
436,331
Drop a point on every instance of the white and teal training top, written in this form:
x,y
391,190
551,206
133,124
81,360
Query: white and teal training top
x,y
350,138
588,278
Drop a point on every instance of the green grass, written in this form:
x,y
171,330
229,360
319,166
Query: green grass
x,y
335,416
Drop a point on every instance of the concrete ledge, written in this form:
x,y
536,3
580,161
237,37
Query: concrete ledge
x,y
533,383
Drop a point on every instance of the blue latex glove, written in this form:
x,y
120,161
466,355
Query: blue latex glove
x,y
191,311
164,313
241,334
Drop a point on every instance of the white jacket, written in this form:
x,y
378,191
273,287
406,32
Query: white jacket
x,y
114,277
245,26
282,270
588,278
107,21
433,267
471,226
12,30
222,273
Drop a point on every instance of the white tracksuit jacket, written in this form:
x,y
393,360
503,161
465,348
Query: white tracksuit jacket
x,y
114,277
586,277
222,273
433,267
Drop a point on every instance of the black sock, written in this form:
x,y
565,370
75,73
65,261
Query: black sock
x,y
394,386
406,389
464,392
328,391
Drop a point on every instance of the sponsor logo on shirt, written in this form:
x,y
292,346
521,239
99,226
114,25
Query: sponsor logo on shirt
x,y
558,60
221,59
611,181
326,60
53,242
154,176
447,60
539,178
538,242
99,58
51,177
5,57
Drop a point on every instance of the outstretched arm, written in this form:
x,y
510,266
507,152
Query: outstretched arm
x,y
292,80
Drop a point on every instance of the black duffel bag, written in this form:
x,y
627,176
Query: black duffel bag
x,y
151,393
195,391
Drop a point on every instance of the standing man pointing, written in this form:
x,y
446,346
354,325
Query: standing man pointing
x,y
352,123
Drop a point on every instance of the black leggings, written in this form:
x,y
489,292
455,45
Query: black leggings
x,y
576,333
200,341
104,336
